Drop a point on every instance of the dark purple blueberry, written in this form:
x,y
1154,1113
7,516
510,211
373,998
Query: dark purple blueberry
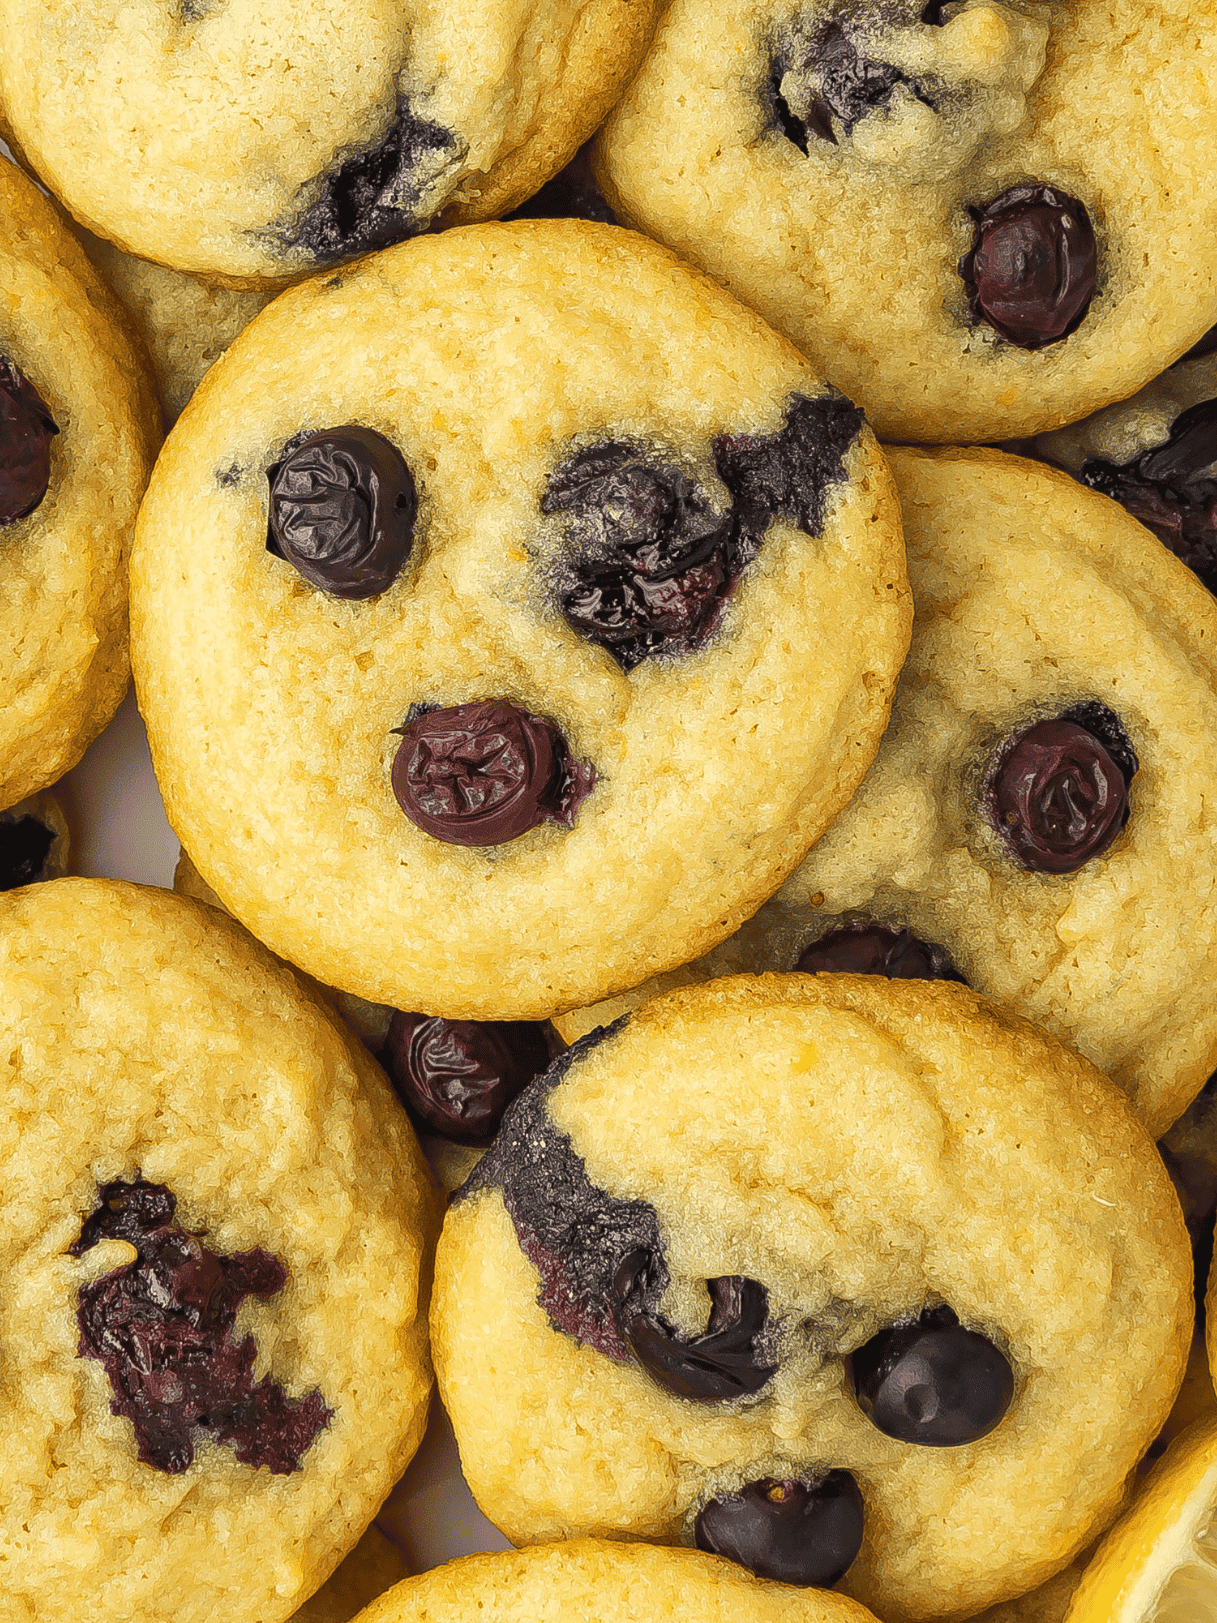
x,y
933,1382
873,949
649,565
162,1327
791,1532
835,79
1030,272
26,428
457,1077
483,773
1172,488
571,194
727,1362
1057,796
342,507
378,196
25,844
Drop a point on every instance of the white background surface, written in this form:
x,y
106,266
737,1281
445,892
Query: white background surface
x,y
119,831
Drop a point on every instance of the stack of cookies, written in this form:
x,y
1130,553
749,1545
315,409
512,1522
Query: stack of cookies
x,y
610,615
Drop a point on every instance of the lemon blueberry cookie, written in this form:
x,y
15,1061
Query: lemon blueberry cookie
x,y
823,1275
1038,820
258,142
981,219
212,1244
510,614
78,431
599,1582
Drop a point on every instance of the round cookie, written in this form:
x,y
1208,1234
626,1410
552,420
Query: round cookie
x,y
598,1582
980,220
261,140
1037,600
1156,454
611,646
698,1238
79,427
212,1243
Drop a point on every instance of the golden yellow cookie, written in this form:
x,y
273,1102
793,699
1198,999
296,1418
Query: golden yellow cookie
x,y
980,219
262,139
598,1582
1039,603
79,426
809,1268
212,1242
567,698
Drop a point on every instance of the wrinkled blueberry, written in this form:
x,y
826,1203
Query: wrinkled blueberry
x,y
1172,488
726,1362
873,949
791,1532
373,199
571,194
342,506
933,1382
26,427
25,844
1057,795
458,1076
839,81
483,773
162,1327
649,564
1030,272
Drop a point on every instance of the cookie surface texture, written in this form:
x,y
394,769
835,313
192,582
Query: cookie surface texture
x,y
599,1582
860,1153
955,218
261,141
80,426
187,1134
1037,600
637,650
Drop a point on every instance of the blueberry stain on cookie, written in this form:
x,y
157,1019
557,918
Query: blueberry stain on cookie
x,y
25,845
342,511
1031,270
375,197
1172,488
1057,791
484,773
863,947
162,1327
803,1531
649,563
828,76
26,431
933,1382
601,1259
457,1077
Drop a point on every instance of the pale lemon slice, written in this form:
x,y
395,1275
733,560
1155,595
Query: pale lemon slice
x,y
1158,1564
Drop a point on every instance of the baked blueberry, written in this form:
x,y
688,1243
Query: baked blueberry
x,y
933,1382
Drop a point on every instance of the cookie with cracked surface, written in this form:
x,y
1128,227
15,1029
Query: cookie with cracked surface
x,y
1038,821
811,1269
510,614
258,143
79,426
947,207
818,1265
215,1220
599,1582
